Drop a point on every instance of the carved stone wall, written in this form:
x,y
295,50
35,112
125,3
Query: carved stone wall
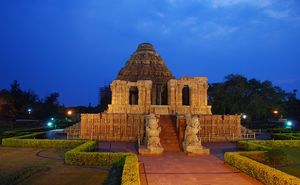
x,y
198,97
120,97
112,127
216,128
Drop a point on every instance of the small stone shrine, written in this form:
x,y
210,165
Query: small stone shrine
x,y
158,111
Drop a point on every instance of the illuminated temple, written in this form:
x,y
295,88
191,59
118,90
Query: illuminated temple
x,y
146,85
150,106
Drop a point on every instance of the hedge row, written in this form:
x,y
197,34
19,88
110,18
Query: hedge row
x,y
41,143
286,136
131,175
81,154
259,171
14,133
264,145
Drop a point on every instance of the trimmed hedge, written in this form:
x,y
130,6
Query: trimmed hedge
x,y
131,175
280,130
14,133
81,155
259,171
286,136
22,141
264,145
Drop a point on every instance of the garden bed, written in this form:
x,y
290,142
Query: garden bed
x,y
81,153
268,160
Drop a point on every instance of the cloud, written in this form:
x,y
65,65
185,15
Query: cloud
x,y
228,3
277,14
160,14
213,30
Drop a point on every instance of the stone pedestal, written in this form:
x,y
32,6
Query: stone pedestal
x,y
150,152
196,150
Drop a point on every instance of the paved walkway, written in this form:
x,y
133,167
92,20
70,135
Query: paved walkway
x,y
175,168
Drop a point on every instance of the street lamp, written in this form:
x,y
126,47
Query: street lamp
x,y
70,112
29,110
275,112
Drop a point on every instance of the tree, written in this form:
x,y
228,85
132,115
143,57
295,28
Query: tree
x,y
22,100
7,110
105,98
238,95
50,106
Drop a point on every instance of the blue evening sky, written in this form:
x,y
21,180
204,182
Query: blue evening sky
x,y
76,46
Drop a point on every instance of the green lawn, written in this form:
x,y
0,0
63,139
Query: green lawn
x,y
23,165
293,170
293,156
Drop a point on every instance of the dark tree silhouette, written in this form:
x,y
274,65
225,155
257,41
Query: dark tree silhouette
x,y
257,99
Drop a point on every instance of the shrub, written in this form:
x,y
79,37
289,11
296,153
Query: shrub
x,y
81,155
131,175
286,136
14,133
264,145
280,130
259,171
249,145
22,141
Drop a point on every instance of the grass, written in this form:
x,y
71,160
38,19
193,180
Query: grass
x,y
292,170
23,165
293,156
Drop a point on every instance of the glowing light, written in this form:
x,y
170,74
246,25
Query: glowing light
x,y
52,119
275,111
49,124
289,123
70,112
244,116
29,110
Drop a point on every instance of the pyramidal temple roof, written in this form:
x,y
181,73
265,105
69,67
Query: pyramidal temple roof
x,y
145,64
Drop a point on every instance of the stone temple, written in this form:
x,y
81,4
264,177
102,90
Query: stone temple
x,y
162,113
146,85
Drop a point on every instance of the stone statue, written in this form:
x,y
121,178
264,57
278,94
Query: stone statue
x,y
192,144
152,133
192,129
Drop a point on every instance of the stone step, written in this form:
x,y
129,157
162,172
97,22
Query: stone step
x,y
168,135
170,141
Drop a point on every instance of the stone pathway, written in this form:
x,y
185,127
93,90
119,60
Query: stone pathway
x,y
175,168
106,146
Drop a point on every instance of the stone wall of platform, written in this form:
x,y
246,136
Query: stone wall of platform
x,y
215,128
130,127
112,127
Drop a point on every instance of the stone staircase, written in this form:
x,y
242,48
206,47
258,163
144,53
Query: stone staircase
x,y
168,135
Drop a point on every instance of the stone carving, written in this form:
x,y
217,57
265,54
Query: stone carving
x,y
152,133
192,144
152,140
